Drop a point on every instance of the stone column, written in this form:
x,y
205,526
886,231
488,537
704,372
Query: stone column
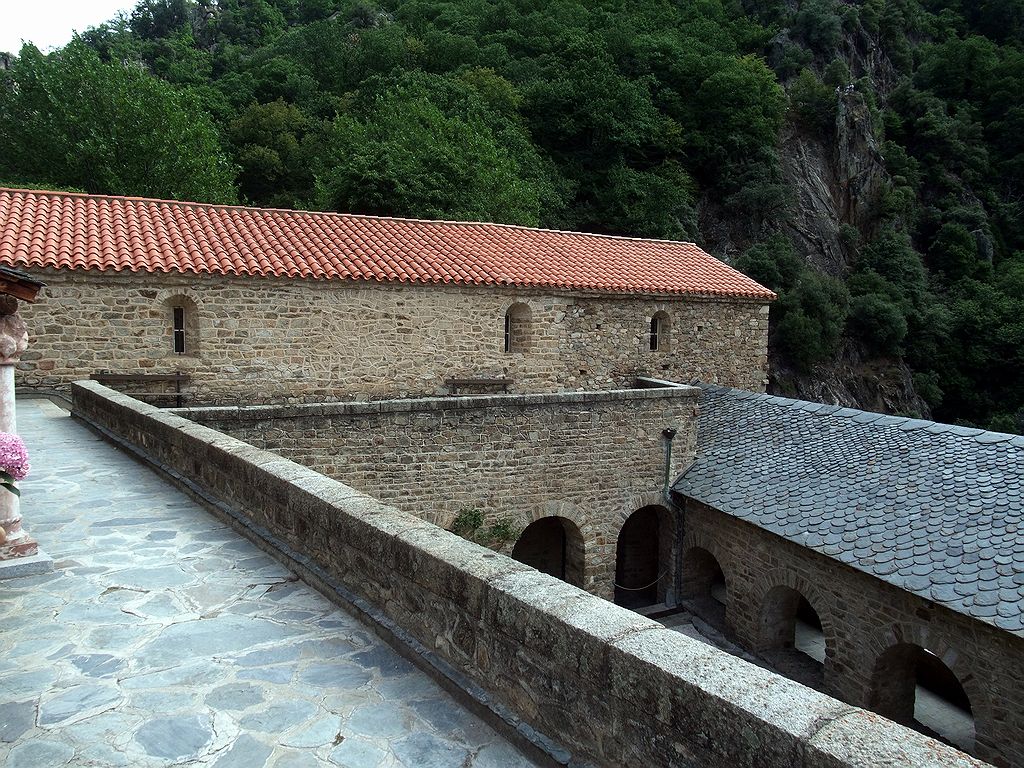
x,y
13,341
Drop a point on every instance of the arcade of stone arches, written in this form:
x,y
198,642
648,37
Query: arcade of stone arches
x,y
685,587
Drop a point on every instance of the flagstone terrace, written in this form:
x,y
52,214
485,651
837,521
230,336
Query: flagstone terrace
x,y
163,637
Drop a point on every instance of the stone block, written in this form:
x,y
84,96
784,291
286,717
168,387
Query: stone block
x,y
450,566
558,621
860,738
32,565
718,704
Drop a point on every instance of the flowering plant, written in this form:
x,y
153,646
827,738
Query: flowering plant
x,y
13,461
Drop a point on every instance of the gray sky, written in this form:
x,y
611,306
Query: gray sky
x,y
49,23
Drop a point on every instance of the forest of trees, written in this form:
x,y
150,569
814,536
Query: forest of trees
x,y
647,117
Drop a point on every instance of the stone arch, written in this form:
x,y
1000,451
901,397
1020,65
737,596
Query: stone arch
x,y
781,608
904,658
660,336
554,545
179,317
703,584
794,631
769,593
164,294
695,541
518,328
699,573
564,509
644,562
637,501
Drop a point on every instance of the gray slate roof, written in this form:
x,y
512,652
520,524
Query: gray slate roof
x,y
935,509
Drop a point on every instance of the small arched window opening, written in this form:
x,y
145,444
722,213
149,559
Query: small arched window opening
x,y
517,328
179,330
182,315
660,332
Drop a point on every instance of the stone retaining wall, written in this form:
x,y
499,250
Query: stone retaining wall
x,y
862,617
613,687
592,458
262,340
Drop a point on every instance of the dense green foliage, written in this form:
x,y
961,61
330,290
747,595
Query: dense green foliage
x,y
68,119
655,117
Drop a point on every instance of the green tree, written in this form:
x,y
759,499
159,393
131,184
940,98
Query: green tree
x,y
70,120
267,141
814,104
818,24
155,19
741,108
428,147
808,318
879,322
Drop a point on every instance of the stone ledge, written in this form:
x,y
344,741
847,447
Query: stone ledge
x,y
426,404
26,566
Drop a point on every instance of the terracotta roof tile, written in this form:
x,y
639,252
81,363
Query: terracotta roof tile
x,y
76,231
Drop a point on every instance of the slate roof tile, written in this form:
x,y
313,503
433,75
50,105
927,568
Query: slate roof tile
x,y
936,509
94,232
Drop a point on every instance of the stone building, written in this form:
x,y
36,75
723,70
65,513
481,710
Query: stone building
x,y
263,306
885,549
897,540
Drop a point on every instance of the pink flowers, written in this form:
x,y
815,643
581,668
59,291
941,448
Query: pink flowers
x,y
13,461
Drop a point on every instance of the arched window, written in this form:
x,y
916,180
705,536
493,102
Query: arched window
x,y
182,317
660,332
517,328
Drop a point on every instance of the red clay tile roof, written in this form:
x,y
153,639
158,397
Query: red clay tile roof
x,y
75,231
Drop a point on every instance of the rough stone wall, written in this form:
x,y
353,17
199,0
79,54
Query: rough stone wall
x,y
593,458
265,340
616,688
861,618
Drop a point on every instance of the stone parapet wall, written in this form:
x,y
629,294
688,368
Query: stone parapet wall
x,y
862,617
592,458
263,340
614,688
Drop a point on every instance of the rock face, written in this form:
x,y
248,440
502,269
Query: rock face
x,y
836,183
860,170
814,228
883,385
840,182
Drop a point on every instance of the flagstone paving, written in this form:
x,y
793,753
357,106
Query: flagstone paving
x,y
165,638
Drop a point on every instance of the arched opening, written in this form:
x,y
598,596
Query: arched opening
x,y
912,685
642,557
661,331
181,316
792,638
552,545
517,328
703,585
